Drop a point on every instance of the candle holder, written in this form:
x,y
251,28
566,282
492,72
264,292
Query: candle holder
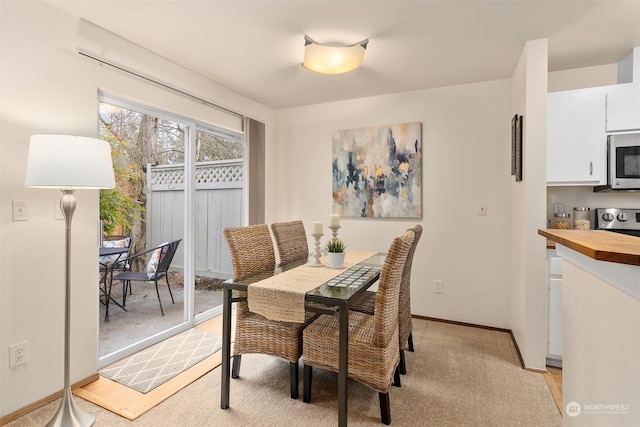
x,y
316,253
334,231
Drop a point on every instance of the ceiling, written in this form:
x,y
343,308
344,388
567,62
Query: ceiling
x,y
256,47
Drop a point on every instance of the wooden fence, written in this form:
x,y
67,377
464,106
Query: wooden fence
x,y
219,203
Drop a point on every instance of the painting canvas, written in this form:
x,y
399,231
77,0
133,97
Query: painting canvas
x,y
377,171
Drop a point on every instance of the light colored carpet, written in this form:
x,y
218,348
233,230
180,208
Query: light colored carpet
x,y
458,376
147,369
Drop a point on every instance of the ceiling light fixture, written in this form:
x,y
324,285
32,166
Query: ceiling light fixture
x,y
332,59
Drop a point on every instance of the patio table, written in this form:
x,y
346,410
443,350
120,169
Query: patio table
x,y
108,271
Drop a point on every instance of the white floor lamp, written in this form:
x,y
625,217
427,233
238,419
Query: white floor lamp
x,y
69,163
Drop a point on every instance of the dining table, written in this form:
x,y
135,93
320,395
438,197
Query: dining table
x,y
287,292
108,272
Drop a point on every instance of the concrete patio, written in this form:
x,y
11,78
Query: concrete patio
x,y
143,318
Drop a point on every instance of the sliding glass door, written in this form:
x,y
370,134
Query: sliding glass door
x,y
171,185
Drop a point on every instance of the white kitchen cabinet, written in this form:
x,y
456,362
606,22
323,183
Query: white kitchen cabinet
x,y
623,107
554,351
576,137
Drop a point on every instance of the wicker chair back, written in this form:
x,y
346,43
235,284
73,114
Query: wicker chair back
x,y
291,241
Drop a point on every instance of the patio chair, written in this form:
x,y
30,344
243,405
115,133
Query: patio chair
x,y
160,259
366,303
291,241
373,339
252,252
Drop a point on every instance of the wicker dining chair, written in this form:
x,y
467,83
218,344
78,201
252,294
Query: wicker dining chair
x,y
291,241
373,339
252,252
367,301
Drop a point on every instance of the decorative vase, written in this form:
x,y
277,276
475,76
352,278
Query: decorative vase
x,y
336,259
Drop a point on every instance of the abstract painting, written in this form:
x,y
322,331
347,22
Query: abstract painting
x,y
377,171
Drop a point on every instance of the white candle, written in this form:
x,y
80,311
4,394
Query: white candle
x,y
335,220
317,227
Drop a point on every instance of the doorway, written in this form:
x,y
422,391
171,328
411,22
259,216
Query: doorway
x,y
175,179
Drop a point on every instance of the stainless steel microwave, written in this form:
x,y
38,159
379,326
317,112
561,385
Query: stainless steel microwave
x,y
624,161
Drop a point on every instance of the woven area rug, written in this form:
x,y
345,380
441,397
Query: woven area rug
x,y
157,364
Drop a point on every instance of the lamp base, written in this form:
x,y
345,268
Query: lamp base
x,y
69,414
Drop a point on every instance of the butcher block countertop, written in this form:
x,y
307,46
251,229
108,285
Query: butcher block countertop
x,y
597,244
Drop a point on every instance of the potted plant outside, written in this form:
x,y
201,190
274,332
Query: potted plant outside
x,y
335,249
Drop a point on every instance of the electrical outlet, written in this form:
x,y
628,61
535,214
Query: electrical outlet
x,y
18,354
482,209
437,286
558,208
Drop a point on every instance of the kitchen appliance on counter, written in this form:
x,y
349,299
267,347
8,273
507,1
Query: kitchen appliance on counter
x,y
625,221
623,163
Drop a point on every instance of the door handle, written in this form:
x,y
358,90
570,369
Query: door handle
x,y
590,168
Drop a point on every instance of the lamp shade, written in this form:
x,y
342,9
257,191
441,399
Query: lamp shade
x,y
69,162
330,59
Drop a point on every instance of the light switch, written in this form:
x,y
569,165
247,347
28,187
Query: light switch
x,y
20,210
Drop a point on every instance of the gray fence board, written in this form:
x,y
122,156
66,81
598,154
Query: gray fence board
x,y
218,204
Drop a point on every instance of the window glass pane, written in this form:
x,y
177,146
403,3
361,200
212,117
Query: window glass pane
x,y
212,145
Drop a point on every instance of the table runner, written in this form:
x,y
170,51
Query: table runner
x,y
281,297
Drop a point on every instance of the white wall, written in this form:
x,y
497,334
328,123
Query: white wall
x,y
528,276
466,161
579,78
45,87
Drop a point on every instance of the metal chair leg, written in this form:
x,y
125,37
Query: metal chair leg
x,y
158,293
235,370
306,383
385,408
126,284
396,377
402,365
293,378
106,300
166,276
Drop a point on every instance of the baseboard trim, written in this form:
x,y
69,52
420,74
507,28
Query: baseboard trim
x,y
515,343
474,325
554,362
455,322
45,400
